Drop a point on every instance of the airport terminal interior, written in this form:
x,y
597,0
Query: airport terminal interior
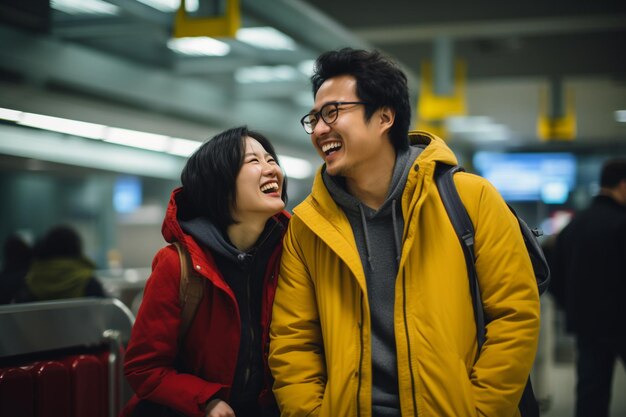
x,y
102,102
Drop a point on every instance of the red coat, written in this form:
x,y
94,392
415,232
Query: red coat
x,y
211,346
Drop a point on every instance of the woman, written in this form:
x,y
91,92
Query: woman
x,y
229,215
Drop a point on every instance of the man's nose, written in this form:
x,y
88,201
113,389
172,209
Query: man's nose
x,y
321,127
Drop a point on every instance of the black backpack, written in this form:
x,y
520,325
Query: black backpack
x,y
465,231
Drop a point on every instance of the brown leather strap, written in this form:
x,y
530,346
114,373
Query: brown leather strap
x,y
190,291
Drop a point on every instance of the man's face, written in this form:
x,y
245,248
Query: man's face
x,y
349,144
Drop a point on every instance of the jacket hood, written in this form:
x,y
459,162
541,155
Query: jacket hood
x,y
434,151
59,277
173,228
208,234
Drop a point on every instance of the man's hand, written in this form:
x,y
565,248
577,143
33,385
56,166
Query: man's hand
x,y
218,408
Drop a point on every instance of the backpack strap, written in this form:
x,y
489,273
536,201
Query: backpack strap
x,y
190,291
537,257
465,231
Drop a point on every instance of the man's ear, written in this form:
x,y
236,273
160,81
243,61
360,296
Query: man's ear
x,y
386,118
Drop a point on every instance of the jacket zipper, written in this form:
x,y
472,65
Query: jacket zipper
x,y
408,343
358,389
246,375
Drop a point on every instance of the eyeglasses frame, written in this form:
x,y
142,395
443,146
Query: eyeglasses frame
x,y
319,115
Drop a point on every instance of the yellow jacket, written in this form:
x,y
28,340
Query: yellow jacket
x,y
320,335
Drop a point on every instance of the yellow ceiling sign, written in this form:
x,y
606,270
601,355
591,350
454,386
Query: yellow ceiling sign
x,y
213,26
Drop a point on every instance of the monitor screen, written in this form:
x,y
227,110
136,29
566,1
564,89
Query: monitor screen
x,y
127,194
547,177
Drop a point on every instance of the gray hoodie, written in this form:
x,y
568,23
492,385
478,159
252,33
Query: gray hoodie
x,y
378,236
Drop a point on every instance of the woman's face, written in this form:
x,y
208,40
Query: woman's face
x,y
259,184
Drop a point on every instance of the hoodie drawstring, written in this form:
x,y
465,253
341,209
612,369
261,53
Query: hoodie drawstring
x,y
396,238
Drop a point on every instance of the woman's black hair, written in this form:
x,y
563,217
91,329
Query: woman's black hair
x,y
209,176
379,82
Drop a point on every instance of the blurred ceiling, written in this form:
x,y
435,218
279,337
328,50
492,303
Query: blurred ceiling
x,y
513,53
115,67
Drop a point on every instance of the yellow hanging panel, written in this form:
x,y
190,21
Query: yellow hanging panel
x,y
557,128
433,109
214,27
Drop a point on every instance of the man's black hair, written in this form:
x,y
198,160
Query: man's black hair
x,y
613,171
61,241
209,176
379,81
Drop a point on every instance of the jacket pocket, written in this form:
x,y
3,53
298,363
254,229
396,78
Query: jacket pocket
x,y
449,387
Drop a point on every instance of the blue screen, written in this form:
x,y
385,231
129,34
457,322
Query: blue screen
x,y
547,177
127,194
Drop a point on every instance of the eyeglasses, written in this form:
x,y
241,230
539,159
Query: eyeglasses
x,y
328,113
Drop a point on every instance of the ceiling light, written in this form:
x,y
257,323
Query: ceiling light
x,y
171,5
264,74
306,67
199,46
137,139
58,124
266,38
8,114
620,116
84,7
295,167
477,128
183,147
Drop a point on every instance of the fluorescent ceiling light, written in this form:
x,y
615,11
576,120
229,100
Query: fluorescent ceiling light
x,y
478,128
467,123
171,5
58,124
8,114
306,67
199,46
183,147
84,7
620,116
264,74
266,38
137,139
295,167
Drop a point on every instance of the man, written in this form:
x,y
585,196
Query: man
x,y
373,313
589,282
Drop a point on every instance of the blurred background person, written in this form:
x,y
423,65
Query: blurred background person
x,y
229,216
589,283
17,256
60,269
